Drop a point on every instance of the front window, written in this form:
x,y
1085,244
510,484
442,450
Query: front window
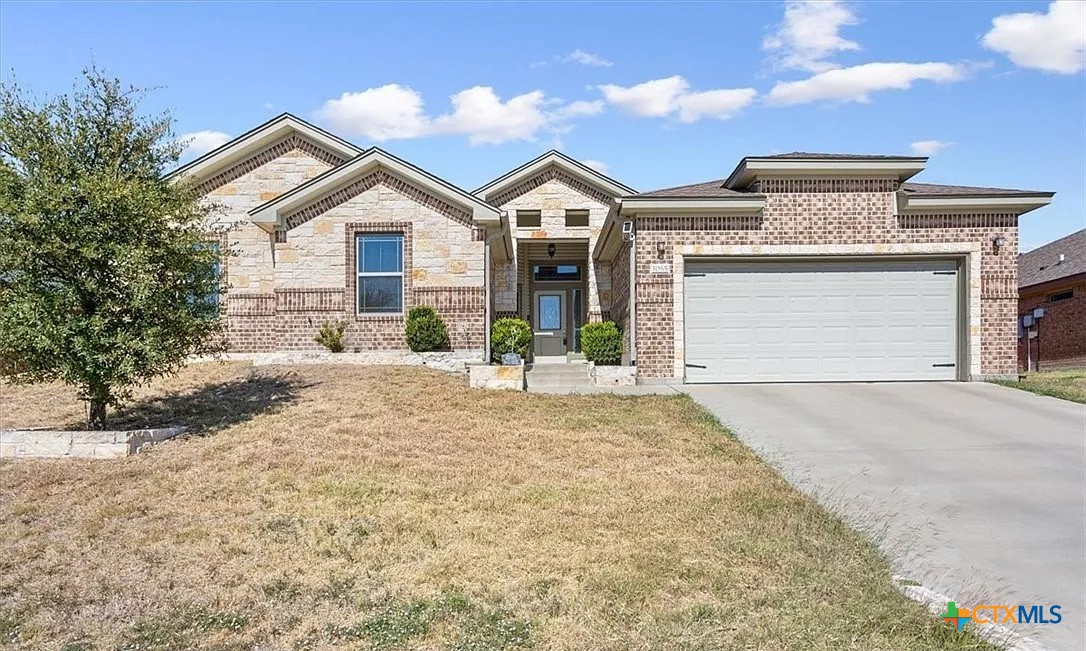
x,y
380,273
556,272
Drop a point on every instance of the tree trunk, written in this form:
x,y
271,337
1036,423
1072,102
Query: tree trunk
x,y
96,414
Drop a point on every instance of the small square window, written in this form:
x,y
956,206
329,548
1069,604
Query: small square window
x,y
576,218
528,218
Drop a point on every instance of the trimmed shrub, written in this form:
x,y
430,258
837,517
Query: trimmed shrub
x,y
425,330
510,335
602,343
331,335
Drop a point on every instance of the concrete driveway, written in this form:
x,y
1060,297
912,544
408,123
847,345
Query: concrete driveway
x,y
974,490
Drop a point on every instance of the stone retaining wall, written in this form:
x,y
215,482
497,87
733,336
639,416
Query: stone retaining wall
x,y
453,361
57,444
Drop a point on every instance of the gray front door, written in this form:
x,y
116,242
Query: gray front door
x,y
550,323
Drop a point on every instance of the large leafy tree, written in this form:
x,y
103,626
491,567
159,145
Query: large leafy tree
x,y
108,270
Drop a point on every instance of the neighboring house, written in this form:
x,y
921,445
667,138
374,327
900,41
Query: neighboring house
x,y
1053,278
798,267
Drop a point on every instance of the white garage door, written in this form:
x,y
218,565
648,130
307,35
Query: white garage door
x,y
804,321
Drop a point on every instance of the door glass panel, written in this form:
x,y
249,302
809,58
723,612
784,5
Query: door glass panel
x,y
550,312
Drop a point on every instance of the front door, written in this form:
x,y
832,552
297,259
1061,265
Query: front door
x,y
550,324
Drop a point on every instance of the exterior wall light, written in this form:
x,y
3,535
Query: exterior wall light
x,y
551,249
660,249
999,241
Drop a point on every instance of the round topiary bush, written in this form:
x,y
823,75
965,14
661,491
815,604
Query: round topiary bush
x,y
602,343
510,335
425,330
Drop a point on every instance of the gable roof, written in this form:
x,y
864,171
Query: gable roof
x,y
557,158
696,190
269,213
255,140
1042,264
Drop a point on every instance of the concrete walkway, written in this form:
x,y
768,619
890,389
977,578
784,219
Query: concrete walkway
x,y
976,491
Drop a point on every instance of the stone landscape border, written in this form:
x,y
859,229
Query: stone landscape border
x,y
452,361
60,444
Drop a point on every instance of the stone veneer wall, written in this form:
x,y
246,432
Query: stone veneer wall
x,y
284,286
552,192
823,215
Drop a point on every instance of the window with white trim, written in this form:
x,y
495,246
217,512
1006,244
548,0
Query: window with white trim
x,y
380,273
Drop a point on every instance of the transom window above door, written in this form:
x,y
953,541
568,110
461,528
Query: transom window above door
x,y
556,272
380,273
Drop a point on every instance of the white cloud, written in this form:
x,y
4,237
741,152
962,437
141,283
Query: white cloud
x,y
578,109
382,113
808,34
393,112
199,143
928,147
1052,42
480,114
651,99
719,104
663,97
599,166
856,84
586,59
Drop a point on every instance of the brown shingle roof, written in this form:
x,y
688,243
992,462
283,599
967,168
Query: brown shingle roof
x,y
1043,263
706,190
824,156
962,190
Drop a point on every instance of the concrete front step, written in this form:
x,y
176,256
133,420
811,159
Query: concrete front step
x,y
558,384
569,375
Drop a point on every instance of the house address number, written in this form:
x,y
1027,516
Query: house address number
x,y
660,268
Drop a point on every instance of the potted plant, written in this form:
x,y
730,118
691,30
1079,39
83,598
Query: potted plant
x,y
510,339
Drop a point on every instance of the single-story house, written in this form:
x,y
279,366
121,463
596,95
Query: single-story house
x,y
1052,305
794,267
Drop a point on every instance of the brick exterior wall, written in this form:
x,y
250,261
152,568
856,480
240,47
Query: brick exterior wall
x,y
1061,339
822,215
283,286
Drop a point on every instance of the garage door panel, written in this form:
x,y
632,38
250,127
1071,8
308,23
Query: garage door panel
x,y
820,321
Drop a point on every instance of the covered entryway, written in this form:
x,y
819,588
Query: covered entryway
x,y
819,320
552,294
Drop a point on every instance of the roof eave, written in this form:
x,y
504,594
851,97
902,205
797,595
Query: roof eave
x,y
1016,203
671,205
748,169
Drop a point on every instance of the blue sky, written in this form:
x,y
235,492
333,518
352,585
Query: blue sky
x,y
654,94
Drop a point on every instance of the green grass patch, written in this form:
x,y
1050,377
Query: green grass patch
x,y
1067,385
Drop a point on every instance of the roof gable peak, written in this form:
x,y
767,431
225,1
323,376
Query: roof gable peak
x,y
259,138
553,157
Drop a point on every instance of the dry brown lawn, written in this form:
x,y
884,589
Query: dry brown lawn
x,y
393,508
